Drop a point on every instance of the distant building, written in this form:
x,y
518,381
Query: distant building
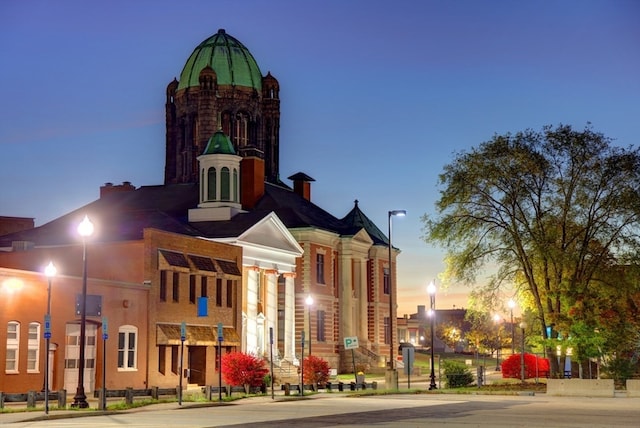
x,y
223,242
416,328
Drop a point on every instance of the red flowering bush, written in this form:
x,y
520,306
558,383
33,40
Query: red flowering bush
x,y
534,366
243,369
316,371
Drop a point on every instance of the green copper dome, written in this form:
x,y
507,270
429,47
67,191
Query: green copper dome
x,y
219,144
230,59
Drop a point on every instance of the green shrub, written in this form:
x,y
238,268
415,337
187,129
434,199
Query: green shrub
x,y
457,374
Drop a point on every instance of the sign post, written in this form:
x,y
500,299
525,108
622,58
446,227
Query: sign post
x,y
351,342
183,337
105,336
220,338
408,355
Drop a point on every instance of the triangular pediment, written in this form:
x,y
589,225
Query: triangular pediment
x,y
270,232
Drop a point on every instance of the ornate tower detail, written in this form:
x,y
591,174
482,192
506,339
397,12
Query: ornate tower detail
x,y
221,87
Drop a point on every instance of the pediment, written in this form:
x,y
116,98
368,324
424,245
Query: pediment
x,y
270,233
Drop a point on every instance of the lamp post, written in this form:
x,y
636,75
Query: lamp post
x,y
50,271
512,304
523,326
431,289
85,229
400,213
309,302
496,318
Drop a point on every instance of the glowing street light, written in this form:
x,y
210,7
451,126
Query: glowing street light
x,y
392,213
85,229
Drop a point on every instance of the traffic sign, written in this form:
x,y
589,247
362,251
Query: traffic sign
x,y
220,331
351,342
183,331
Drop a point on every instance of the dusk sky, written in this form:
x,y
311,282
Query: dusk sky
x,y
376,96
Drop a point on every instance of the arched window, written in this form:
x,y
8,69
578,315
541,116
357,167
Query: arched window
x,y
13,347
211,184
225,191
127,348
241,130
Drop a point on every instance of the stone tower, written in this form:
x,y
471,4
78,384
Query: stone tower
x,y
221,88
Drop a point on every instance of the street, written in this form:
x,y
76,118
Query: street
x,y
329,410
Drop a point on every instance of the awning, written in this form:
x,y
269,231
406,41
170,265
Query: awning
x,y
175,259
229,267
200,335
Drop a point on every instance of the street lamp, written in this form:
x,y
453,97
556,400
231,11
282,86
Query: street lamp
x,y
309,302
50,271
496,318
431,289
85,229
512,304
400,213
523,326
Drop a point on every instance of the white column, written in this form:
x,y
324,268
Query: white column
x,y
289,319
252,312
271,313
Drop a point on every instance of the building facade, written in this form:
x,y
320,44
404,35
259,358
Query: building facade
x,y
223,246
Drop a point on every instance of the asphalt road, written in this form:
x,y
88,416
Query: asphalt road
x,y
333,410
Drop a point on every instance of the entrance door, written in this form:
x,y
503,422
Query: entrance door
x,y
72,357
197,364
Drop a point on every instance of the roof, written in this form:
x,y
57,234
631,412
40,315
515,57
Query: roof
x,y
219,144
230,59
121,216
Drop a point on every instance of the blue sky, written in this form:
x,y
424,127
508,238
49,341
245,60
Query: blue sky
x,y
376,96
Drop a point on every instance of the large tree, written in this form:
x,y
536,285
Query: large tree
x,y
548,211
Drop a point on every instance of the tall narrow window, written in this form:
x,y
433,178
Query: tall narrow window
x,y
225,184
33,349
163,285
320,268
176,286
230,293
192,289
236,187
321,319
162,358
219,292
203,286
211,184
175,359
386,283
13,346
127,347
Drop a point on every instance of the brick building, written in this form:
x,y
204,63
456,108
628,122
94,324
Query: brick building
x,y
222,227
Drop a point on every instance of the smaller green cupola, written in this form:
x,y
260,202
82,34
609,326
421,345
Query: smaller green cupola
x,y
219,144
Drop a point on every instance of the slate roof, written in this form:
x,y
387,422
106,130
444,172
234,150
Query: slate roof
x,y
121,216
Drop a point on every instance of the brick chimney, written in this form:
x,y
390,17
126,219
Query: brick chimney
x,y
251,181
108,188
302,185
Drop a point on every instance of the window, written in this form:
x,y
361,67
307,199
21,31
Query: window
x,y
203,287
176,286
127,347
175,359
162,358
320,268
387,337
211,184
320,334
386,285
33,349
230,293
163,285
225,184
13,344
219,292
192,289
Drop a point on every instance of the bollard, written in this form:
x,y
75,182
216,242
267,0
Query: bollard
x,y
374,385
352,386
128,395
62,399
287,388
1,400
31,399
329,386
155,392
340,386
